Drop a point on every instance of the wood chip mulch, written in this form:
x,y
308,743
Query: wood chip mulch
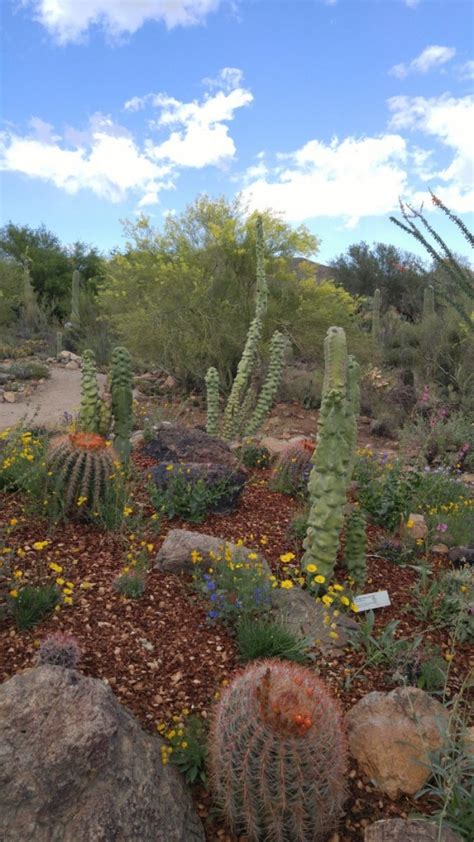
x,y
160,655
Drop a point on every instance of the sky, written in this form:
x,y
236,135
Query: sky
x,y
326,111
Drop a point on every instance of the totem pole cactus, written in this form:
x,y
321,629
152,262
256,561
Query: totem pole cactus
x,y
270,387
90,397
332,457
278,754
122,401
376,305
356,548
428,303
212,386
261,293
75,293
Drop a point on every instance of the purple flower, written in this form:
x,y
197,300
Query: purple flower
x,y
212,614
442,527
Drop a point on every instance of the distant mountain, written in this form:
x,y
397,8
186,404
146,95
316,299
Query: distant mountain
x,y
319,271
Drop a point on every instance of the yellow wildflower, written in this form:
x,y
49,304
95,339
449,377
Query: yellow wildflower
x,y
286,583
319,579
286,557
311,568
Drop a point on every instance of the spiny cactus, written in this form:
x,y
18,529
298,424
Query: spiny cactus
x,y
376,304
59,342
356,548
60,649
278,755
261,295
80,466
428,303
90,398
270,387
332,459
292,467
122,401
212,386
75,293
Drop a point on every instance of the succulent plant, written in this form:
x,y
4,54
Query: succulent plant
x,y
356,548
270,387
292,467
60,649
90,397
278,754
75,294
376,304
122,401
80,465
212,385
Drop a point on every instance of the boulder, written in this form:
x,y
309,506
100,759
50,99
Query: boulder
x,y
461,555
276,446
401,830
303,616
175,443
226,483
175,554
391,736
418,528
76,767
68,356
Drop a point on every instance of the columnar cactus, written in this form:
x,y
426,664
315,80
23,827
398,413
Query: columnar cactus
x,y
90,397
333,456
428,303
122,401
278,755
80,466
261,294
270,387
30,303
75,292
59,342
376,304
352,409
242,378
212,386
356,548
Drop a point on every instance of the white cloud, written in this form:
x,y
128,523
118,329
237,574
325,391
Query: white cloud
x,y
450,121
350,179
412,4
430,57
227,79
466,70
69,20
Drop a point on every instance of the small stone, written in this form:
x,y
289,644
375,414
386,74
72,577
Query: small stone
x,y
399,830
441,549
10,397
418,529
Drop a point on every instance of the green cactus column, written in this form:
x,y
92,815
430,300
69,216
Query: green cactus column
x,y
356,548
75,294
261,290
90,397
376,305
353,410
332,458
122,402
428,303
212,387
272,382
30,303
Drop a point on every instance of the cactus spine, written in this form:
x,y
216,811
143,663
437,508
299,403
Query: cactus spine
x,y
356,548
376,304
212,401
90,398
75,292
428,303
278,754
270,387
333,456
122,401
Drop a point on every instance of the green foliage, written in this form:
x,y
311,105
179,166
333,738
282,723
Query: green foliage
x,y
186,498
356,548
75,298
32,604
282,713
446,601
131,584
122,402
428,303
382,648
90,397
184,297
187,747
235,587
270,387
438,488
376,305
212,401
386,491
444,437
26,371
264,638
254,455
332,459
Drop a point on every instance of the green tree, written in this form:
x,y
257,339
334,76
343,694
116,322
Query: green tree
x,y
183,297
398,275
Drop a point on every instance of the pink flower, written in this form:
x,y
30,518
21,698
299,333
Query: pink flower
x,y
442,527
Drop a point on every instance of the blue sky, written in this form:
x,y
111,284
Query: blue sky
x,y
324,110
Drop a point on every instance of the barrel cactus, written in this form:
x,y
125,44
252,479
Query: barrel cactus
x,y
356,548
59,649
122,401
278,755
80,466
292,467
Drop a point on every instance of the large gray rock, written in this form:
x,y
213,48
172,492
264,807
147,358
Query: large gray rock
x,y
76,767
175,443
401,830
305,617
175,554
391,735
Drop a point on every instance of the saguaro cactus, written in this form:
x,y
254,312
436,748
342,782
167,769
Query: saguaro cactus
x,y
278,755
75,294
90,397
428,303
332,457
212,400
122,401
376,305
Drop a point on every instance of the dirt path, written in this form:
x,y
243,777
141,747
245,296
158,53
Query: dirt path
x,y
60,394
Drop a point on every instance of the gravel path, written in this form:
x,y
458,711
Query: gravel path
x,y
60,394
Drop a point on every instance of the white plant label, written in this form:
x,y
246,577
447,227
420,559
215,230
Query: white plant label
x,y
368,601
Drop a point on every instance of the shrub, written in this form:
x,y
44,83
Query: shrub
x,y
293,467
254,455
186,498
131,584
32,604
235,586
187,746
385,490
277,754
60,649
263,638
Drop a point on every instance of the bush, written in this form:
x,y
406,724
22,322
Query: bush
x,y
254,455
27,371
263,638
188,499
187,746
385,489
131,584
32,604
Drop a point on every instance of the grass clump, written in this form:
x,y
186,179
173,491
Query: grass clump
x,y
263,638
